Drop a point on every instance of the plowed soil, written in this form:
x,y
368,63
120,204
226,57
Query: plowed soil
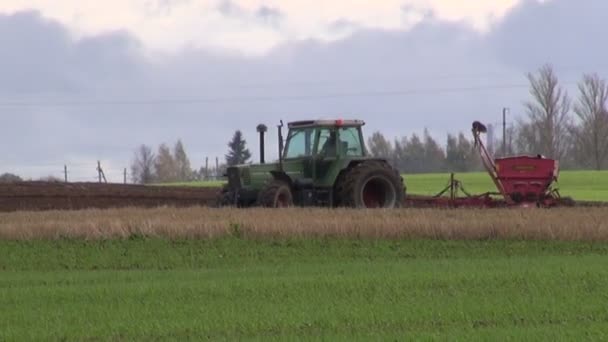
x,y
67,196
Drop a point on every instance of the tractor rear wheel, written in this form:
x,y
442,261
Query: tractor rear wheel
x,y
277,194
371,184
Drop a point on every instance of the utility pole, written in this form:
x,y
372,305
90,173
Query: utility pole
x,y
206,176
100,173
125,175
65,172
217,168
504,131
511,139
490,139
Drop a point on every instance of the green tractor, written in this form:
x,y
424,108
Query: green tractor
x,y
323,163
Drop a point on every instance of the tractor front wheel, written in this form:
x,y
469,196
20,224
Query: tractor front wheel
x,y
277,194
371,184
225,198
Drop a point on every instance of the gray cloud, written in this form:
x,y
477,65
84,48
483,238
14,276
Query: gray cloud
x,y
63,100
562,32
229,8
270,15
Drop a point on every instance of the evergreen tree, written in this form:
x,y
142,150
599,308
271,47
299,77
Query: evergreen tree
x,y
182,163
166,170
379,147
434,157
238,152
414,155
453,157
399,158
470,160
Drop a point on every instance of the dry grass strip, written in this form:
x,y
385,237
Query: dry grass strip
x,y
581,224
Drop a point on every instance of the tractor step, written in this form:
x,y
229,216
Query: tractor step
x,y
323,197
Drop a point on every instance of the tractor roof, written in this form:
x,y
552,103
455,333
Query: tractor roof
x,y
325,123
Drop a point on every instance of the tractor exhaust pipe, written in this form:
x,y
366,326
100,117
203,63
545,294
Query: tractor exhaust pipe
x,y
280,129
262,130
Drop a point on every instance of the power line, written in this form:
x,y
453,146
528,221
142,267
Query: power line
x,y
386,93
410,77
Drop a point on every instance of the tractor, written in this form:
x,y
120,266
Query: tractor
x,y
322,163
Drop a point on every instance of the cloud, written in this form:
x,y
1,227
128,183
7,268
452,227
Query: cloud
x,y
264,15
562,32
270,15
252,26
67,99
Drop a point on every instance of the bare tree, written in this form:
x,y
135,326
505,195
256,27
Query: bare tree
x,y
142,166
547,130
591,135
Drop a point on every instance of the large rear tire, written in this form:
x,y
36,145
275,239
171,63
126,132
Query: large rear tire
x,y
370,184
277,194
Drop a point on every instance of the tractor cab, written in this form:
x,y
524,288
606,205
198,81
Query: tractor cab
x,y
324,139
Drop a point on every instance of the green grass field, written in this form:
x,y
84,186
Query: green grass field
x,y
580,185
331,289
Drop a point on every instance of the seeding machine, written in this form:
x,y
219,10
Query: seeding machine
x,y
521,181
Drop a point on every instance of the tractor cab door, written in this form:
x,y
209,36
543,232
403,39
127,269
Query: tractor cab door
x,y
326,153
334,146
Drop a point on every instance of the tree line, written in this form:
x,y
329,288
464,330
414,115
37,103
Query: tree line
x,y
167,165
417,154
575,132
173,165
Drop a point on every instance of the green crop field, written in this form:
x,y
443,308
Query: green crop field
x,y
580,185
311,289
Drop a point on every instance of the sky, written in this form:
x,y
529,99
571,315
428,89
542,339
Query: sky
x,y
82,81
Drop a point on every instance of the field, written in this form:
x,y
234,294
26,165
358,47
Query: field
x,y
565,224
580,185
255,274
223,274
312,274
51,195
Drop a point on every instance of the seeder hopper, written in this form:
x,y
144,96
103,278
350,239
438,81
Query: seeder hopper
x,y
521,181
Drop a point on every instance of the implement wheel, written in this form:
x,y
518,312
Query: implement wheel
x,y
371,184
277,194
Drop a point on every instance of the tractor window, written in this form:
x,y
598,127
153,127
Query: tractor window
x,y
299,143
351,142
327,143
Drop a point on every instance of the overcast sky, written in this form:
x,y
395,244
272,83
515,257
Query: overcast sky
x,y
82,81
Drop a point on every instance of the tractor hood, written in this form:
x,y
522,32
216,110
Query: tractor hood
x,y
251,175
